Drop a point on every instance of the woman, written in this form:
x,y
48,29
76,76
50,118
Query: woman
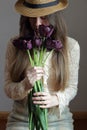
x,y
60,72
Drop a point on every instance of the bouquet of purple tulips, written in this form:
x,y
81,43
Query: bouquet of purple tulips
x,y
38,45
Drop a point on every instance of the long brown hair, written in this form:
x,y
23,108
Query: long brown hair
x,y
59,60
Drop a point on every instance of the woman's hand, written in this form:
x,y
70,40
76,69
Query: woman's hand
x,y
34,74
45,100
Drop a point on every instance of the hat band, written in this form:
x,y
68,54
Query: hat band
x,y
40,5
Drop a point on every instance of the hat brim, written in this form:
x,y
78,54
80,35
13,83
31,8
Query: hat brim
x,y
30,12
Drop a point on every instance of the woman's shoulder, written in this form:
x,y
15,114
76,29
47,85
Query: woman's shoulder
x,y
72,43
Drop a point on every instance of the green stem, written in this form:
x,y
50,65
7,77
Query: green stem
x,y
46,118
30,58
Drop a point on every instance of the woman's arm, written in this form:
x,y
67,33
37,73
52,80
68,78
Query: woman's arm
x,y
14,90
64,97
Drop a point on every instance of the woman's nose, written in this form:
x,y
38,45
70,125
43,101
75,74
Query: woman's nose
x,y
38,21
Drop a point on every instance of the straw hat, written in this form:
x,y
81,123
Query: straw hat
x,y
36,8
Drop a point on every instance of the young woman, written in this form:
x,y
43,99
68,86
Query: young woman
x,y
60,72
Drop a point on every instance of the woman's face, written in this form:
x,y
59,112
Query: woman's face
x,y
35,22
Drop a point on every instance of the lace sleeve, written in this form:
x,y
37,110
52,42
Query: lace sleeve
x,y
70,92
14,90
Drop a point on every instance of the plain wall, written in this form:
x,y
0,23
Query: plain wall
x,y
76,19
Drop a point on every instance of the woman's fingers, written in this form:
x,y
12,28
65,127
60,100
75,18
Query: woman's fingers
x,y
41,98
45,100
34,74
35,70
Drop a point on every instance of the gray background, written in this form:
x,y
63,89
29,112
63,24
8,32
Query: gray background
x,y
76,19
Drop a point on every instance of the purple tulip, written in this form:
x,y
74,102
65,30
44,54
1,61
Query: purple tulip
x,y
46,31
57,44
29,45
24,44
53,44
18,43
37,42
49,30
44,40
49,44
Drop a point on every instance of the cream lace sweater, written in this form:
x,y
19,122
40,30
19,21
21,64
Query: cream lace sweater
x,y
17,91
